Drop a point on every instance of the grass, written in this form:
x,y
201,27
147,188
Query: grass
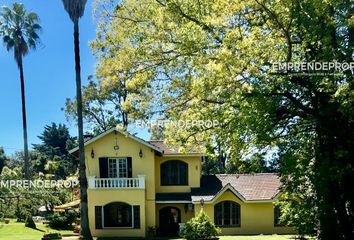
x,y
18,231
258,237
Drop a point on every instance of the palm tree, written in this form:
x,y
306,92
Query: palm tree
x,y
19,30
76,9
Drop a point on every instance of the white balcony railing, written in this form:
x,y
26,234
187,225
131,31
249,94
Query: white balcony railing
x,y
116,183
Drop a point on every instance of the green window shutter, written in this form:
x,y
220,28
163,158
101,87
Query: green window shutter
x,y
103,162
136,211
98,217
130,167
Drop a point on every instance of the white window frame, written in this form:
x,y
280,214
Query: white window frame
x,y
131,227
117,166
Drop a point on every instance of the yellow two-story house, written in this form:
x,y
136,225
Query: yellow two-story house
x,y
138,187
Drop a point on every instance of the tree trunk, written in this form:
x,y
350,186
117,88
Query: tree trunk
x,y
334,164
24,119
85,228
328,228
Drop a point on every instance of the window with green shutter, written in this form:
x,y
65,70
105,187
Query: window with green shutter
x,y
98,217
136,210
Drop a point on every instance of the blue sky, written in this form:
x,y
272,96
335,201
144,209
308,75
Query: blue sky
x,y
49,74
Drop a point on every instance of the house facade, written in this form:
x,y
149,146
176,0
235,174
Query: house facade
x,y
137,188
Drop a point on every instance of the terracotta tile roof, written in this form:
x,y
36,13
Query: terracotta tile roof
x,y
170,149
251,187
73,204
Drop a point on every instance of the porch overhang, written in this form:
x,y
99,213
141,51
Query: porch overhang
x,y
173,198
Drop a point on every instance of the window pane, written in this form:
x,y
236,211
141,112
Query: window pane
x,y
112,168
117,168
218,214
174,172
227,213
117,215
123,168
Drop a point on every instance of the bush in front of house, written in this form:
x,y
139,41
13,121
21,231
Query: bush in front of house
x,y
200,227
52,236
62,220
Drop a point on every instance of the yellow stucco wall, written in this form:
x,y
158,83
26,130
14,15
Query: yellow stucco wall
x,y
104,147
194,174
106,196
256,218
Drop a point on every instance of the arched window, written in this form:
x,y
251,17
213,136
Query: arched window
x,y
227,214
174,172
118,214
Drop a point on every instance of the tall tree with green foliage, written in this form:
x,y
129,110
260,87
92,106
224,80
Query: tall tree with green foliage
x,y
56,141
212,60
76,9
101,109
19,30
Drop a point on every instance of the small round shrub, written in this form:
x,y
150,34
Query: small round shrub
x,y
62,220
200,227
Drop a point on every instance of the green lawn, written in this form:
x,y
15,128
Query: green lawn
x,y
17,231
258,237
261,237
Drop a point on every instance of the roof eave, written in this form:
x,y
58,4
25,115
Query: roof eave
x,y
72,151
183,155
169,202
242,198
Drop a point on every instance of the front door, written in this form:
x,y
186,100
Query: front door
x,y
170,217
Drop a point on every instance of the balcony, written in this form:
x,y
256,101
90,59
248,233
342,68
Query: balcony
x,y
116,183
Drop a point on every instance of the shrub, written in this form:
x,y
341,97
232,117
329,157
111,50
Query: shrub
x,y
200,227
57,221
52,236
62,220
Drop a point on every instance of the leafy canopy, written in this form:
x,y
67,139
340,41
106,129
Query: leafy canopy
x,y
75,8
19,30
212,60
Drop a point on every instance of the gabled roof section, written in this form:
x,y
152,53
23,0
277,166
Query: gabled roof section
x,y
260,187
121,132
174,150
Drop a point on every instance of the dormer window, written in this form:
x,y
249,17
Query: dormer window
x,y
174,172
